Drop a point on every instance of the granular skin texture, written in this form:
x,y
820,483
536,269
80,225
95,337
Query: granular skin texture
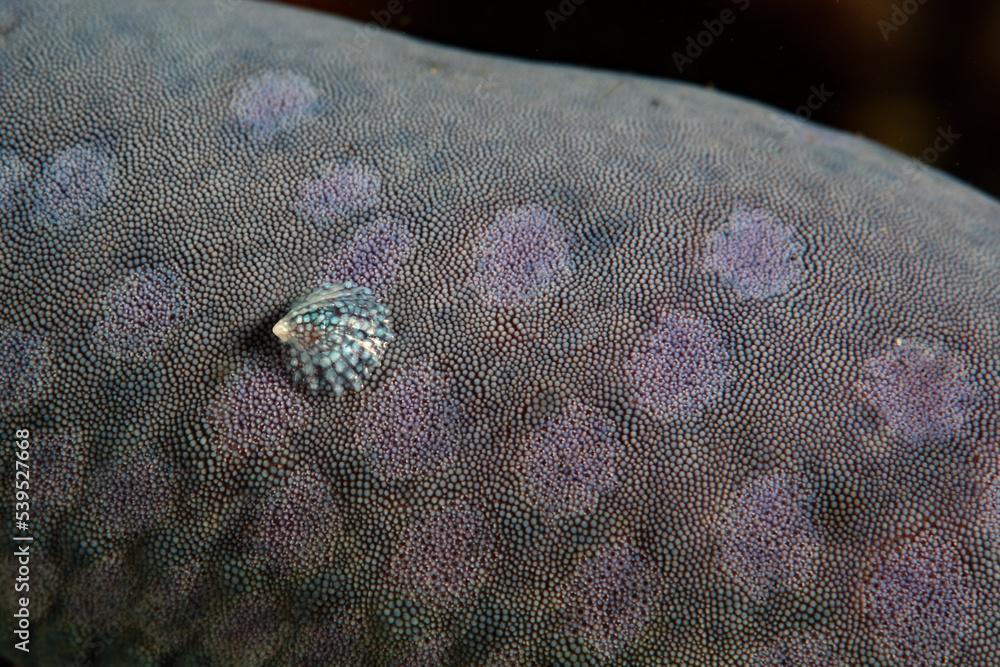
x,y
734,311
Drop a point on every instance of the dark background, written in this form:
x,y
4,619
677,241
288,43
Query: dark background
x,y
898,76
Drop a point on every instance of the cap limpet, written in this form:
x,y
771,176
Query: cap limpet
x,y
336,337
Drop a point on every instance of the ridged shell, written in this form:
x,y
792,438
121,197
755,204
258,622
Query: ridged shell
x,y
336,337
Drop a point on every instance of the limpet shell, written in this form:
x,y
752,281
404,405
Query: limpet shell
x,y
336,337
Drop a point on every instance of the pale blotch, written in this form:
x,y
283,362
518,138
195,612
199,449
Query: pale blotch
x,y
679,368
920,602
140,312
767,541
99,592
993,510
166,600
273,102
571,460
610,598
373,257
336,640
13,174
74,185
756,255
337,191
445,559
250,631
26,369
409,425
60,458
135,490
296,522
256,413
805,650
920,391
521,255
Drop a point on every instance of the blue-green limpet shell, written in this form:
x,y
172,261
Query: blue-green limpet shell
x,y
336,337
